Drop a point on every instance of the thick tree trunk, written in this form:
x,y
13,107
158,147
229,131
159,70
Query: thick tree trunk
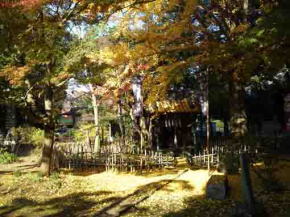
x,y
46,160
238,117
47,150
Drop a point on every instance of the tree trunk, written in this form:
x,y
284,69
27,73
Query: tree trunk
x,y
46,160
150,132
121,124
110,138
238,117
143,132
246,10
47,150
97,146
226,126
207,118
34,113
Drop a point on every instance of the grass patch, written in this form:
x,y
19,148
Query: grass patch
x,y
35,177
17,173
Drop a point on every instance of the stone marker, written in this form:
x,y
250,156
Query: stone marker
x,y
216,187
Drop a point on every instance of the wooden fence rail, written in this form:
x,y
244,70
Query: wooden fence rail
x,y
219,149
111,158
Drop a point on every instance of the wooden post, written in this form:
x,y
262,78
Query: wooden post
x,y
246,184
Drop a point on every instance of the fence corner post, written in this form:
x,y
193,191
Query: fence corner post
x,y
246,185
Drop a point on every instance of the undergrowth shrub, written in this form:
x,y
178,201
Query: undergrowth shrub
x,y
83,132
55,180
30,135
6,157
54,176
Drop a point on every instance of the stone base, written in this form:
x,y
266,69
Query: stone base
x,y
216,187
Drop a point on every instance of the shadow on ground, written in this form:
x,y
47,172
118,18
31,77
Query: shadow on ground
x,y
71,205
86,204
145,192
23,169
201,207
144,173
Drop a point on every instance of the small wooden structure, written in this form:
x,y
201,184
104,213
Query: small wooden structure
x,y
174,123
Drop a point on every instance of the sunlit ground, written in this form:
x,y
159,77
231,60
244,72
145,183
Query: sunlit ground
x,y
168,192
84,193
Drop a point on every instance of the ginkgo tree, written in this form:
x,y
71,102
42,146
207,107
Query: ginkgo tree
x,y
171,36
41,46
38,36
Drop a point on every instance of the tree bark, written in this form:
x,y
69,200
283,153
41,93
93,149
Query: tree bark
x,y
121,124
47,151
95,105
35,112
238,117
150,132
246,10
97,145
143,132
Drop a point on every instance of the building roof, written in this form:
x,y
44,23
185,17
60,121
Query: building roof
x,y
174,106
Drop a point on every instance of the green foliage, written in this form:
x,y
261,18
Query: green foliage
x,y
6,157
219,124
54,176
270,37
81,133
55,180
30,135
37,137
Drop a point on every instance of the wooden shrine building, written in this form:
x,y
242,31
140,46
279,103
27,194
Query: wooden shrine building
x,y
174,125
